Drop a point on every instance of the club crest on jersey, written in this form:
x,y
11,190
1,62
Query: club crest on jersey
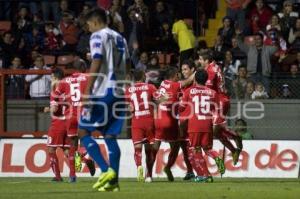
x,y
96,45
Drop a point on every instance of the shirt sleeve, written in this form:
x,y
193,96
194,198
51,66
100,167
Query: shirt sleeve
x,y
96,46
184,101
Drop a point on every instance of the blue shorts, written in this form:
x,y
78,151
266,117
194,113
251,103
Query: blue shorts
x,y
105,114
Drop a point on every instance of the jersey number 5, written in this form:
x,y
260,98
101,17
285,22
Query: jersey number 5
x,y
75,92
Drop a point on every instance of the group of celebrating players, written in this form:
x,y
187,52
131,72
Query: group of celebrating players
x,y
186,113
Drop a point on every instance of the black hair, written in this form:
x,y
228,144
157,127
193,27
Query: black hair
x,y
260,35
242,66
138,74
189,62
171,72
241,120
201,76
58,73
97,13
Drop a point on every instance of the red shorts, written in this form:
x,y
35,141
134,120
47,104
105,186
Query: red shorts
x,y
57,134
72,126
204,140
142,130
166,128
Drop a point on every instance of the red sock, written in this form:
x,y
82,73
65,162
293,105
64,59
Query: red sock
x,y
71,158
138,156
200,164
191,156
54,165
212,153
185,152
172,156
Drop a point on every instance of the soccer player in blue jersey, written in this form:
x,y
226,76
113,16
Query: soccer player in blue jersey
x,y
103,108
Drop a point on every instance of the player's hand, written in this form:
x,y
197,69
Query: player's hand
x,y
53,108
47,109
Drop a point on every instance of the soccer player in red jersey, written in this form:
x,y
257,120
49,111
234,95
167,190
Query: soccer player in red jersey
x,y
141,98
166,123
187,69
199,101
57,133
71,88
216,82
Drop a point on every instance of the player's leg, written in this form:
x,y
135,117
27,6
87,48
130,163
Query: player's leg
x,y
54,164
184,145
71,156
150,159
174,146
138,161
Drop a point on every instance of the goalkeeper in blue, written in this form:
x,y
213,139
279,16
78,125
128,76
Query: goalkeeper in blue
x,y
104,102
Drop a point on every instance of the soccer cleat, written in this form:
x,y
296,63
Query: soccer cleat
x,y
57,179
148,180
78,165
140,174
169,174
91,166
189,176
72,179
220,165
203,179
104,178
235,156
110,187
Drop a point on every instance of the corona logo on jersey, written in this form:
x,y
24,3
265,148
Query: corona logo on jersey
x,y
270,159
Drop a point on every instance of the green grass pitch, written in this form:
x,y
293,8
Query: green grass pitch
x,y
226,188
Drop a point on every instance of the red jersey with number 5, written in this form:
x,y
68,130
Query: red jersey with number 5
x,y
141,99
72,87
200,101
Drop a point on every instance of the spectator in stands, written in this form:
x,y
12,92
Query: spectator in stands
x,y
50,7
219,48
141,11
15,83
160,16
142,62
81,18
64,8
291,83
237,53
39,84
249,90
34,40
38,22
83,46
117,21
294,36
258,63
259,16
259,92
239,85
226,32
274,23
51,38
240,126
7,49
104,4
230,70
287,18
23,21
165,39
69,32
297,62
184,36
134,31
236,11
152,71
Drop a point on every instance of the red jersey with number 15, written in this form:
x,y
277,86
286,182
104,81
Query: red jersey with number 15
x,y
72,87
200,101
